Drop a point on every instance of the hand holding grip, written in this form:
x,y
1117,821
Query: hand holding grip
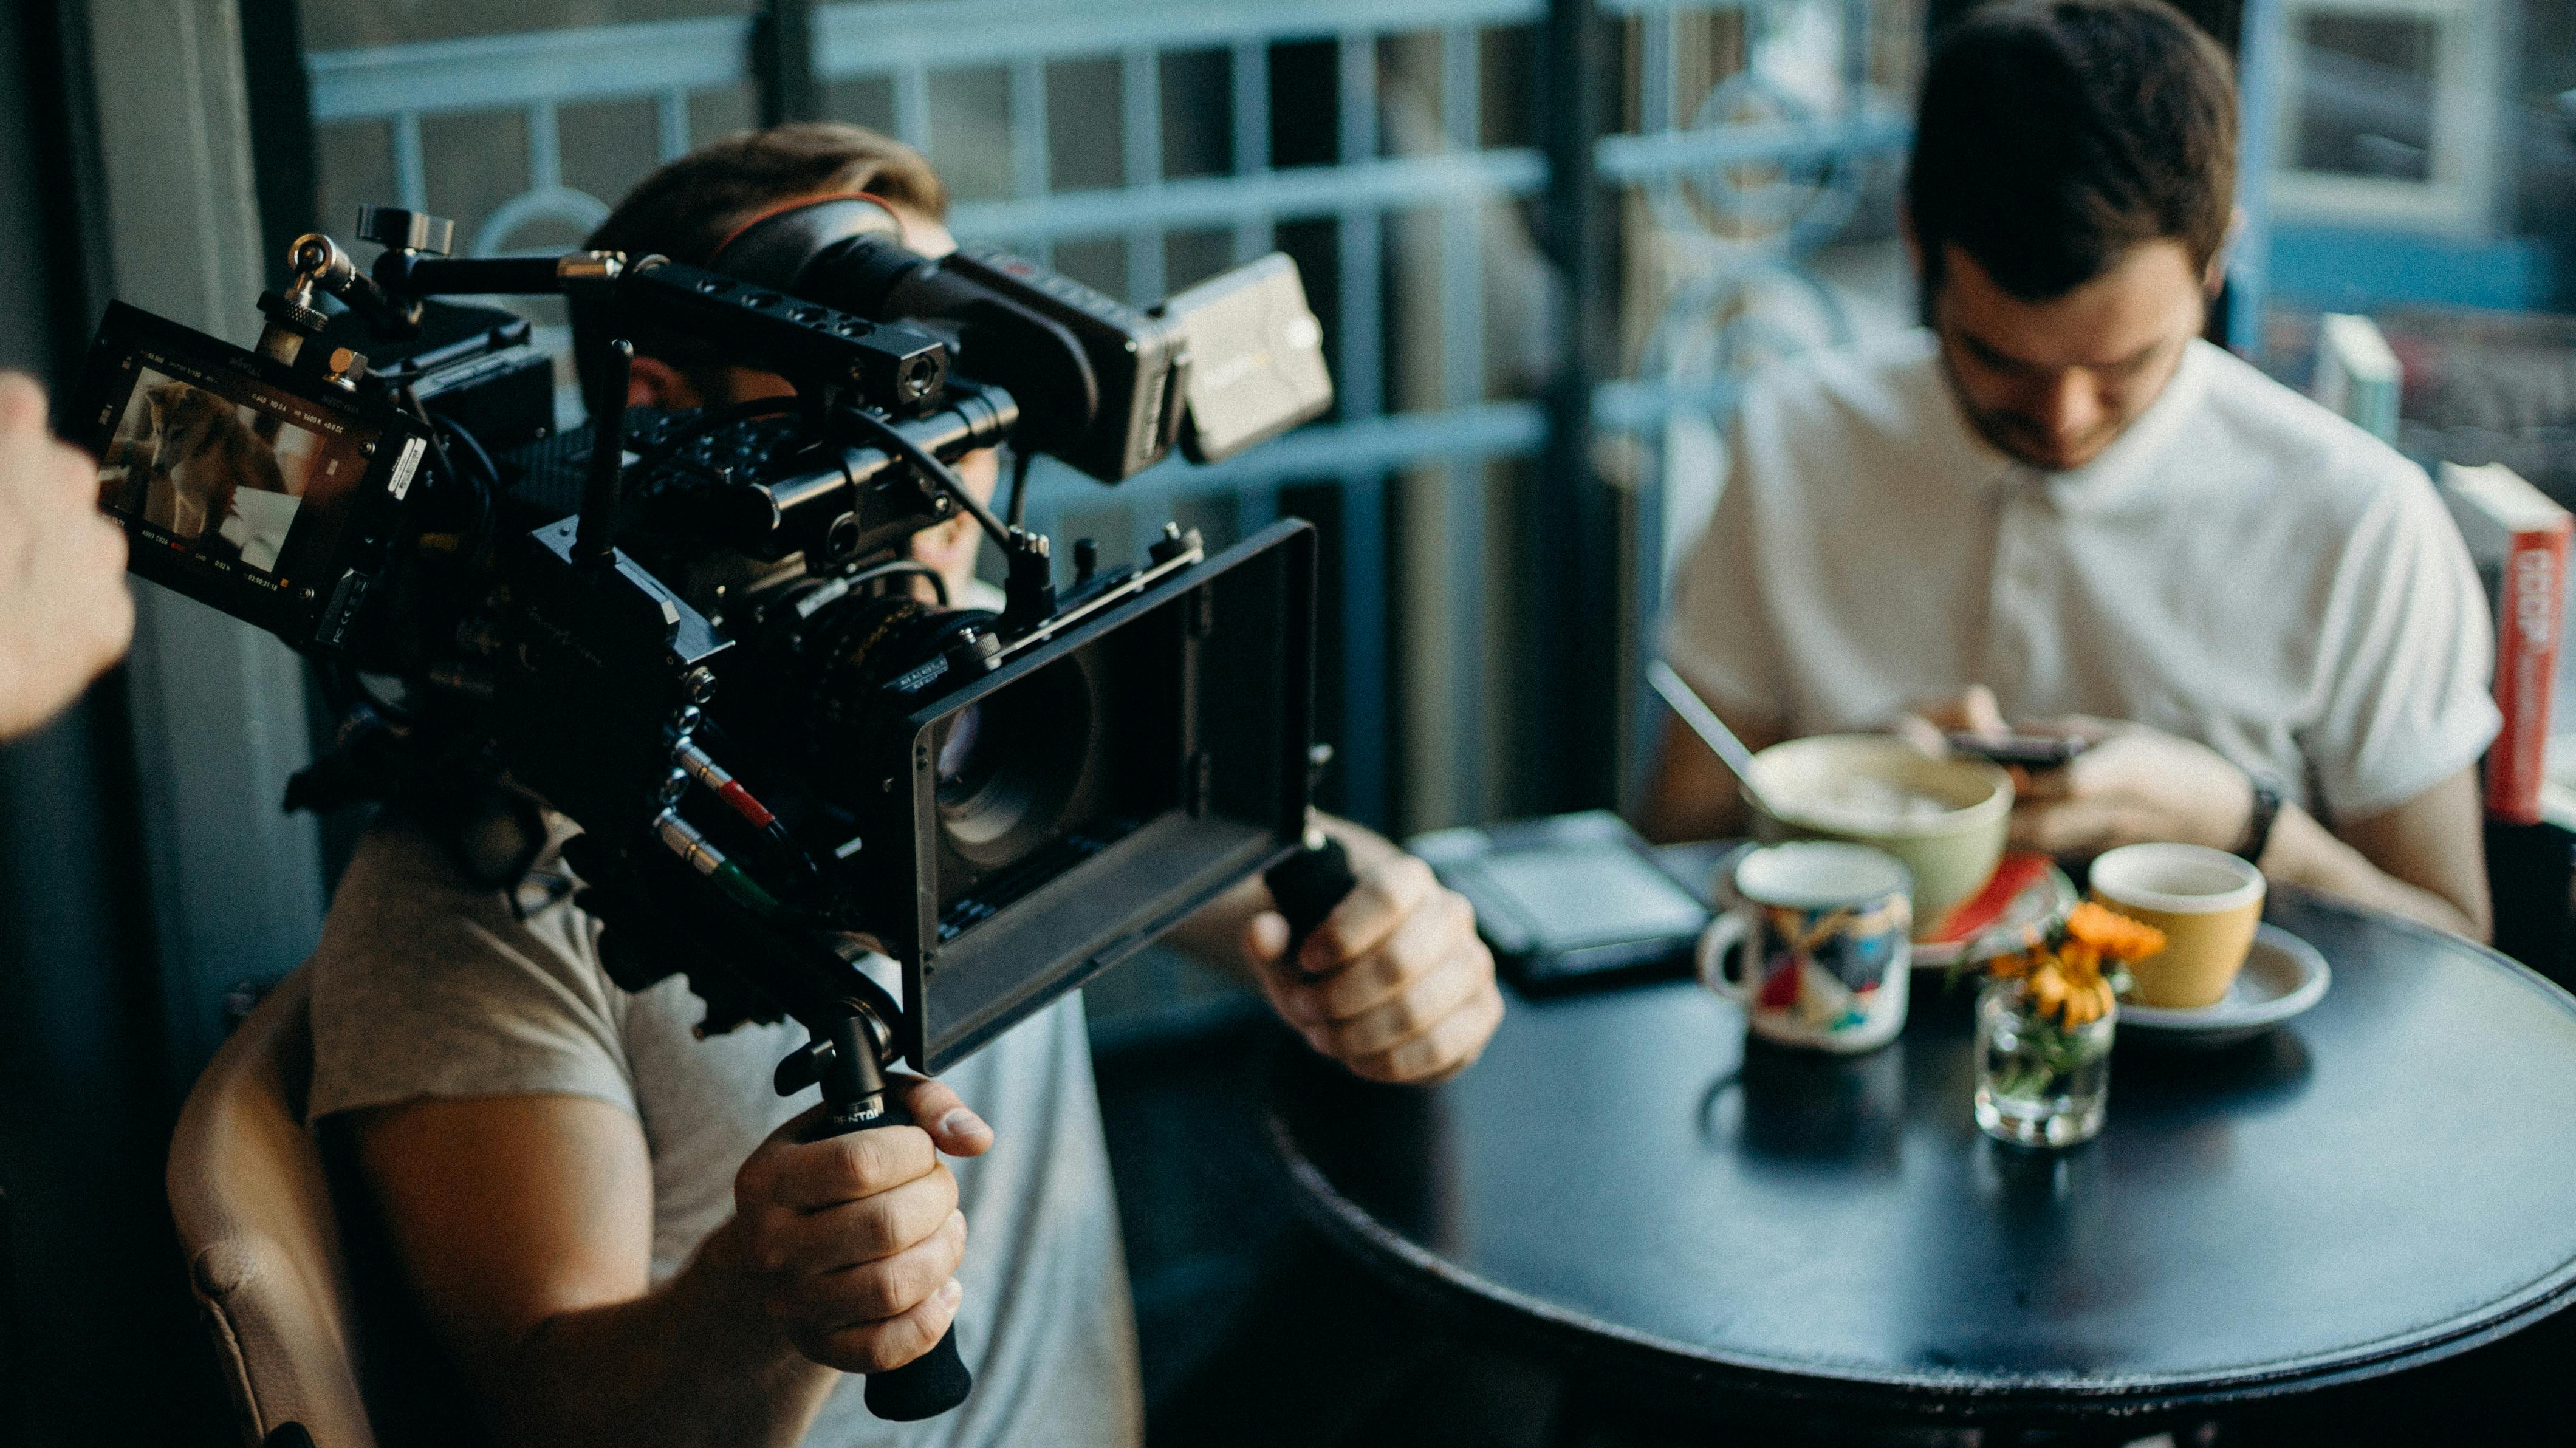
x,y
934,1382
938,1380
1307,885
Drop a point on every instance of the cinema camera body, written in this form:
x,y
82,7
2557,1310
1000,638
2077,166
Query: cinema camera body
x,y
704,647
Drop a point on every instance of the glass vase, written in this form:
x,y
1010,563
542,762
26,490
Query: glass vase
x,y
2039,1083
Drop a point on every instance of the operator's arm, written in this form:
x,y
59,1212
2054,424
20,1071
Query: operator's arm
x,y
2424,859
525,1224
1395,984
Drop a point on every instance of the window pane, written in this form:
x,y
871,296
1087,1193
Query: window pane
x,y
2365,104
349,24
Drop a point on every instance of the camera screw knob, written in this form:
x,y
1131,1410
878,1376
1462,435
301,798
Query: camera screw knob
x,y
1174,543
344,367
398,230
972,652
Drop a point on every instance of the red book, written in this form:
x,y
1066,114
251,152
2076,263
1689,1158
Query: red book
x,y
2519,539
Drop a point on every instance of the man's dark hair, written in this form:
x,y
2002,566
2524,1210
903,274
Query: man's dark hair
x,y
2054,135
690,207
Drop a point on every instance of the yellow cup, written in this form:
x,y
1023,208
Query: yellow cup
x,y
2207,902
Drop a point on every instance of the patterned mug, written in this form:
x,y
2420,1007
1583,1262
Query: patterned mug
x,y
1823,933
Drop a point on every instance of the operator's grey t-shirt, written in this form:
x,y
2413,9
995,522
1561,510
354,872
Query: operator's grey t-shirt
x,y
425,986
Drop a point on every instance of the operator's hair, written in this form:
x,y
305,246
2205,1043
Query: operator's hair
x,y
2055,135
693,205
689,207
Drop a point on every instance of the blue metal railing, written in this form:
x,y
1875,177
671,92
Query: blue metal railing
x,y
1436,433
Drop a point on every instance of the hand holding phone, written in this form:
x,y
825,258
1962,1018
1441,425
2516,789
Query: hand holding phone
x,y
2027,751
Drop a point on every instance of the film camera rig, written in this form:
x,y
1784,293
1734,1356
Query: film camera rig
x,y
696,633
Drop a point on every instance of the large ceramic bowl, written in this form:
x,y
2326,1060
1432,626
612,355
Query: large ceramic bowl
x,y
1949,833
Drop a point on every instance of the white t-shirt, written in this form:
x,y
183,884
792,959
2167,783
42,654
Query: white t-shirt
x,y
2240,567
427,986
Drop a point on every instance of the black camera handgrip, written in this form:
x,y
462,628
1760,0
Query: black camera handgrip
x,y
1307,885
934,1382
925,1387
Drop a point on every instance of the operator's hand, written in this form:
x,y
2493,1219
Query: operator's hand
x,y
1394,984
65,614
1928,725
855,1239
2135,784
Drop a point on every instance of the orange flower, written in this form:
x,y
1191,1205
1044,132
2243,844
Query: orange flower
x,y
2113,934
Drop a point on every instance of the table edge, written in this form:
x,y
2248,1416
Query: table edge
x,y
1932,1393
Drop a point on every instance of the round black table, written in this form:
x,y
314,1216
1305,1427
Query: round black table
x,y
2388,1180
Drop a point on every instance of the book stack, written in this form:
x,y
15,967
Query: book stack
x,y
2518,538
2357,375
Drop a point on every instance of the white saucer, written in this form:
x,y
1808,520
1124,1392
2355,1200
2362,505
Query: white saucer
x,y
2283,976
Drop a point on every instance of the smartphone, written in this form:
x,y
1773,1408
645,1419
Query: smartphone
x,y
2030,751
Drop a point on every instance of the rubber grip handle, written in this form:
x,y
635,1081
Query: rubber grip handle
x,y
925,1387
934,1382
1307,885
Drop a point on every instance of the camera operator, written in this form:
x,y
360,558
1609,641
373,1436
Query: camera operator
x,y
65,614
617,1227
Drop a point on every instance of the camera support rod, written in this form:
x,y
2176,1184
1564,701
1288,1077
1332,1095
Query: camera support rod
x,y
595,540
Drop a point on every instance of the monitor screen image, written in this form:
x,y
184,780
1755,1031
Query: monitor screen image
x,y
224,479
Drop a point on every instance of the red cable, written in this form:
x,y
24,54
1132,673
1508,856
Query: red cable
x,y
732,793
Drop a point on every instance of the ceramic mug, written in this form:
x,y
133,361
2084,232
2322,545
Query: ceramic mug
x,y
1822,931
2207,902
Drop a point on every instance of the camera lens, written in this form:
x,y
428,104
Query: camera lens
x,y
852,677
1008,764
961,769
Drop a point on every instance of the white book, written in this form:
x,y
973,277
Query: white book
x,y
2357,374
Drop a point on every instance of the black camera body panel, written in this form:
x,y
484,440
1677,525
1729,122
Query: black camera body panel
x,y
893,366
1103,383
597,662
476,367
194,435
1139,362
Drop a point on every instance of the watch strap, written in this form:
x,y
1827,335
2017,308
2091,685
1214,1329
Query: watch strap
x,y
2258,823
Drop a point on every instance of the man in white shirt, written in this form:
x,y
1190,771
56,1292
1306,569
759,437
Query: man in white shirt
x,y
2058,508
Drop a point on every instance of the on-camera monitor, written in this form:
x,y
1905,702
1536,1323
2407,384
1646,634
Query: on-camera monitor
x,y
225,479
243,482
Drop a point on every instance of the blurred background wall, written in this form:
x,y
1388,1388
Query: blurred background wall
x,y
1548,240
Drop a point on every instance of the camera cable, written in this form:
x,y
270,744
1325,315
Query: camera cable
x,y
939,474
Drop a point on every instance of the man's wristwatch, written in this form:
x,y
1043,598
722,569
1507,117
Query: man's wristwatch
x,y
2258,824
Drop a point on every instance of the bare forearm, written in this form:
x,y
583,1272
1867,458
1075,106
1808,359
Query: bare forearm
x,y
2303,852
694,1362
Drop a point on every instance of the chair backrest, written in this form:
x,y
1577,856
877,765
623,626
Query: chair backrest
x,y
256,1221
